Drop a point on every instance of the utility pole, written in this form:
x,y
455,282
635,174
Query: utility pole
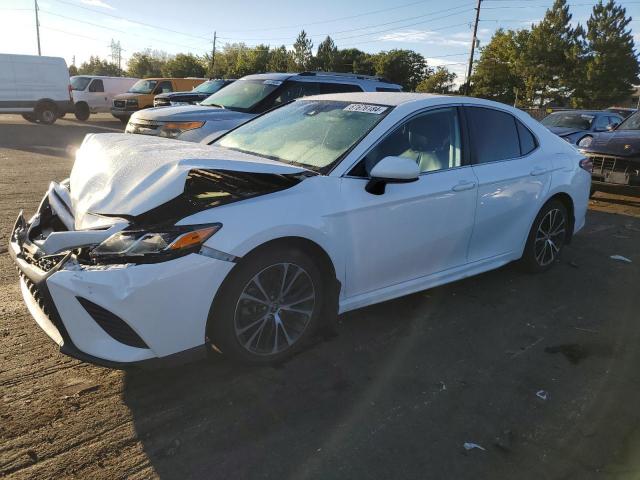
x,y
474,41
35,2
116,53
213,55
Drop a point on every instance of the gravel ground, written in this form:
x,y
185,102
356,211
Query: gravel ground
x,y
395,395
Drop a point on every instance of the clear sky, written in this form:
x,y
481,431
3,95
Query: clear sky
x,y
440,30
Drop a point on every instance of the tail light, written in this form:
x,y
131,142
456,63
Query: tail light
x,y
586,164
70,93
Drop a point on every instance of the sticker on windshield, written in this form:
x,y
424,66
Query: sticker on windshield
x,y
272,82
364,108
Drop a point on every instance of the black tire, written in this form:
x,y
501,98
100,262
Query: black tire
x,y
124,121
29,117
81,111
547,237
231,318
46,113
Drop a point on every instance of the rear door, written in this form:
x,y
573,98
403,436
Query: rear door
x,y
513,179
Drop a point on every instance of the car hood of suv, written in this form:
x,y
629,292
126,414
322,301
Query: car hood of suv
x,y
125,176
191,113
564,131
625,143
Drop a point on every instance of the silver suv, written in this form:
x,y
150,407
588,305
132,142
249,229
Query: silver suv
x,y
243,100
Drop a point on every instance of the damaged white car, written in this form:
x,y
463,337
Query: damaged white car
x,y
156,249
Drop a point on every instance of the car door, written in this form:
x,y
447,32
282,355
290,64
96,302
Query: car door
x,y
412,229
513,178
96,96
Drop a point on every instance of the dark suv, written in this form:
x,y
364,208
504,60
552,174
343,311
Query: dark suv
x,y
191,97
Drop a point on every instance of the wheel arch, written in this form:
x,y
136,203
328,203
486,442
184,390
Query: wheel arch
x,y
45,101
568,203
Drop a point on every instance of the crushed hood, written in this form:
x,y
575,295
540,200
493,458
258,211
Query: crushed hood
x,y
125,175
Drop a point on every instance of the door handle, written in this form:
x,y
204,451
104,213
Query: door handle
x,y
538,171
463,185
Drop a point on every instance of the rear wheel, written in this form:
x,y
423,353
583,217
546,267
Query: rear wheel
x,y
547,237
268,307
46,113
82,111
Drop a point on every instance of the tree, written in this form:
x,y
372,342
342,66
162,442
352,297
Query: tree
x,y
441,81
73,70
184,65
497,75
96,66
302,51
148,63
326,54
611,64
405,67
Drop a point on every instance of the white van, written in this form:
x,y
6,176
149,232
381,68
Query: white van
x,y
37,87
93,93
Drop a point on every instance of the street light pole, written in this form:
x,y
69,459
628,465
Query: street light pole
x,y
474,40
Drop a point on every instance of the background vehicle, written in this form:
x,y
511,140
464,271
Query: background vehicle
x,y
94,94
192,97
141,94
574,125
35,86
243,100
325,205
616,157
624,112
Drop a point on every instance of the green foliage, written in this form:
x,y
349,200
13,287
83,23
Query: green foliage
x,y
96,66
302,52
73,70
405,67
440,81
148,63
183,65
326,55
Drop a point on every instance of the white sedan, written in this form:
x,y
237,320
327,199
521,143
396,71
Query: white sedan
x,y
156,249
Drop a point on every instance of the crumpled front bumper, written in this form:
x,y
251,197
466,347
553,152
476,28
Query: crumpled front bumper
x,y
166,305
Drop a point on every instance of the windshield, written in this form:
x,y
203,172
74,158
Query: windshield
x,y
212,86
311,133
143,86
79,83
580,121
631,123
242,95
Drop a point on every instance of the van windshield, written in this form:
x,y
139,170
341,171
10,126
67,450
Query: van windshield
x,y
242,95
79,83
143,86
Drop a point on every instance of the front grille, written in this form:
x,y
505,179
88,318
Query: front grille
x,y
112,324
43,299
602,164
119,103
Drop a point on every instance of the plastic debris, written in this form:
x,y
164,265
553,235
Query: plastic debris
x,y
471,446
620,258
542,394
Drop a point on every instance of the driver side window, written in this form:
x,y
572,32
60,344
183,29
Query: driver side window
x,y
431,139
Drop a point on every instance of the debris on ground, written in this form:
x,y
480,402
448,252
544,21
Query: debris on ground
x,y
542,394
620,258
471,446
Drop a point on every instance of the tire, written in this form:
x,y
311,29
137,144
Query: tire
x,y
29,117
255,318
46,113
547,237
81,111
124,121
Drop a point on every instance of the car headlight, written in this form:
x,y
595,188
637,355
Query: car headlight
x,y
585,141
177,104
174,129
141,246
132,102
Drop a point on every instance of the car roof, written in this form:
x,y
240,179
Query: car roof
x,y
321,76
392,99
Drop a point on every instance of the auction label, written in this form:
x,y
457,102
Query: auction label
x,y
364,108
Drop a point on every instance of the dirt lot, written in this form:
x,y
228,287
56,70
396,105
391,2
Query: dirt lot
x,y
396,395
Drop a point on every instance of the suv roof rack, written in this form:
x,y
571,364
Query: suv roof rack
x,y
349,75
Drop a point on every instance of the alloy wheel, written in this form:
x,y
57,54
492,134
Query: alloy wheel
x,y
549,237
274,309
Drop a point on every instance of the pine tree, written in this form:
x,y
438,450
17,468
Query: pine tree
x,y
303,51
326,54
611,64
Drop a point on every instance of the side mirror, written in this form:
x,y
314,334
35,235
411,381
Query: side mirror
x,y
392,170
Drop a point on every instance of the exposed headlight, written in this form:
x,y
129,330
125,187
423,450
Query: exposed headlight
x,y
585,141
153,246
132,102
176,104
174,129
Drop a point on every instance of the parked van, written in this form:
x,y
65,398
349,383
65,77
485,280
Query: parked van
x,y
141,94
37,87
94,94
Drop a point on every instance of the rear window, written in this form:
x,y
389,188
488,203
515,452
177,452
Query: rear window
x,y
527,140
494,135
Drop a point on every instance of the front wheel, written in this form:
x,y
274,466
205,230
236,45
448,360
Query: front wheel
x,y
81,111
547,237
268,307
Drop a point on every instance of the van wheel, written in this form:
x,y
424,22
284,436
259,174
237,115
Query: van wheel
x,y
82,111
46,113
29,117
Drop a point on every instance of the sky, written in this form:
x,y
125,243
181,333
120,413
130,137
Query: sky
x,y
441,31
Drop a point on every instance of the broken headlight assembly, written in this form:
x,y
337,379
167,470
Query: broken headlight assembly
x,y
151,246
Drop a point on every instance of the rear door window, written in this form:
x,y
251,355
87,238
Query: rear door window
x,y
494,135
